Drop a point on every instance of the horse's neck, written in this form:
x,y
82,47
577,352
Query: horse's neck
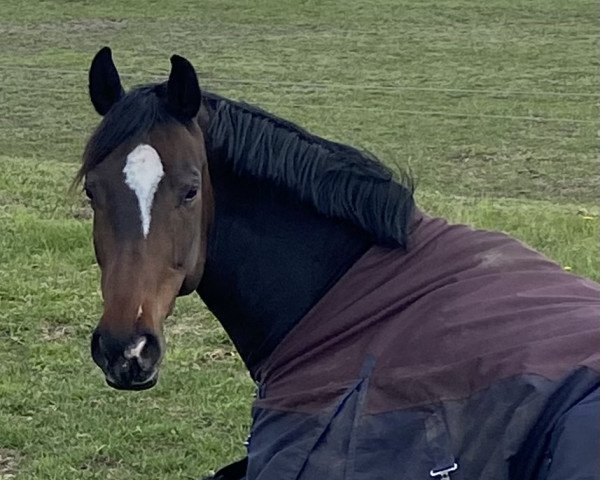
x,y
270,259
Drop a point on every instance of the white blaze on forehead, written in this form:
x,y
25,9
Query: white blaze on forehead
x,y
143,172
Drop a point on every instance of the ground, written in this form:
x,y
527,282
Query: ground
x,y
492,105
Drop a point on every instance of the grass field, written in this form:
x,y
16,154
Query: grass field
x,y
493,105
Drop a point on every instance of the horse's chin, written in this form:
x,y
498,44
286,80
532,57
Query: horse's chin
x,y
134,386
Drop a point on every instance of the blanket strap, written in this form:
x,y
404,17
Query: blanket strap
x,y
443,461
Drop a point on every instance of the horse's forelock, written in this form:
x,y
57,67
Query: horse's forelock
x,y
129,120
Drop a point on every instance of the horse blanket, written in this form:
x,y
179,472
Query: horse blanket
x,y
456,358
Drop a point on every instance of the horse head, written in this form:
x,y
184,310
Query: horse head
x,y
145,172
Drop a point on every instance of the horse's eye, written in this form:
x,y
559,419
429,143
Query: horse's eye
x,y
191,194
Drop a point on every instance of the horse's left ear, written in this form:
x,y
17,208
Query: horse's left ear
x,y
183,90
105,84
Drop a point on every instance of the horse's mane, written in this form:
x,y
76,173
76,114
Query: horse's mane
x,y
338,180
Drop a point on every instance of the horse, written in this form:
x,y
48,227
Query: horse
x,y
384,342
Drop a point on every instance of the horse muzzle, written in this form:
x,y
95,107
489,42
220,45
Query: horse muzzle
x,y
127,365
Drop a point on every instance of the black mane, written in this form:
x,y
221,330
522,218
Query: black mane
x,y
338,180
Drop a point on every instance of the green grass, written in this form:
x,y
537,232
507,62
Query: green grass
x,y
492,104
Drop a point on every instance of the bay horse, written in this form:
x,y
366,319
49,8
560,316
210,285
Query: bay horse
x,y
385,343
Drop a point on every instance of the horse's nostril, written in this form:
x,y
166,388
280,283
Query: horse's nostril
x,y
98,355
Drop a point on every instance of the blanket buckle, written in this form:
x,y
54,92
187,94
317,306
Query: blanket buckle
x,y
444,473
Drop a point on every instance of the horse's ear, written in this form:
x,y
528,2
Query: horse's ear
x,y
183,90
105,84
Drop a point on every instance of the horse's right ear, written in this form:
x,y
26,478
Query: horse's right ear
x,y
183,92
105,84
